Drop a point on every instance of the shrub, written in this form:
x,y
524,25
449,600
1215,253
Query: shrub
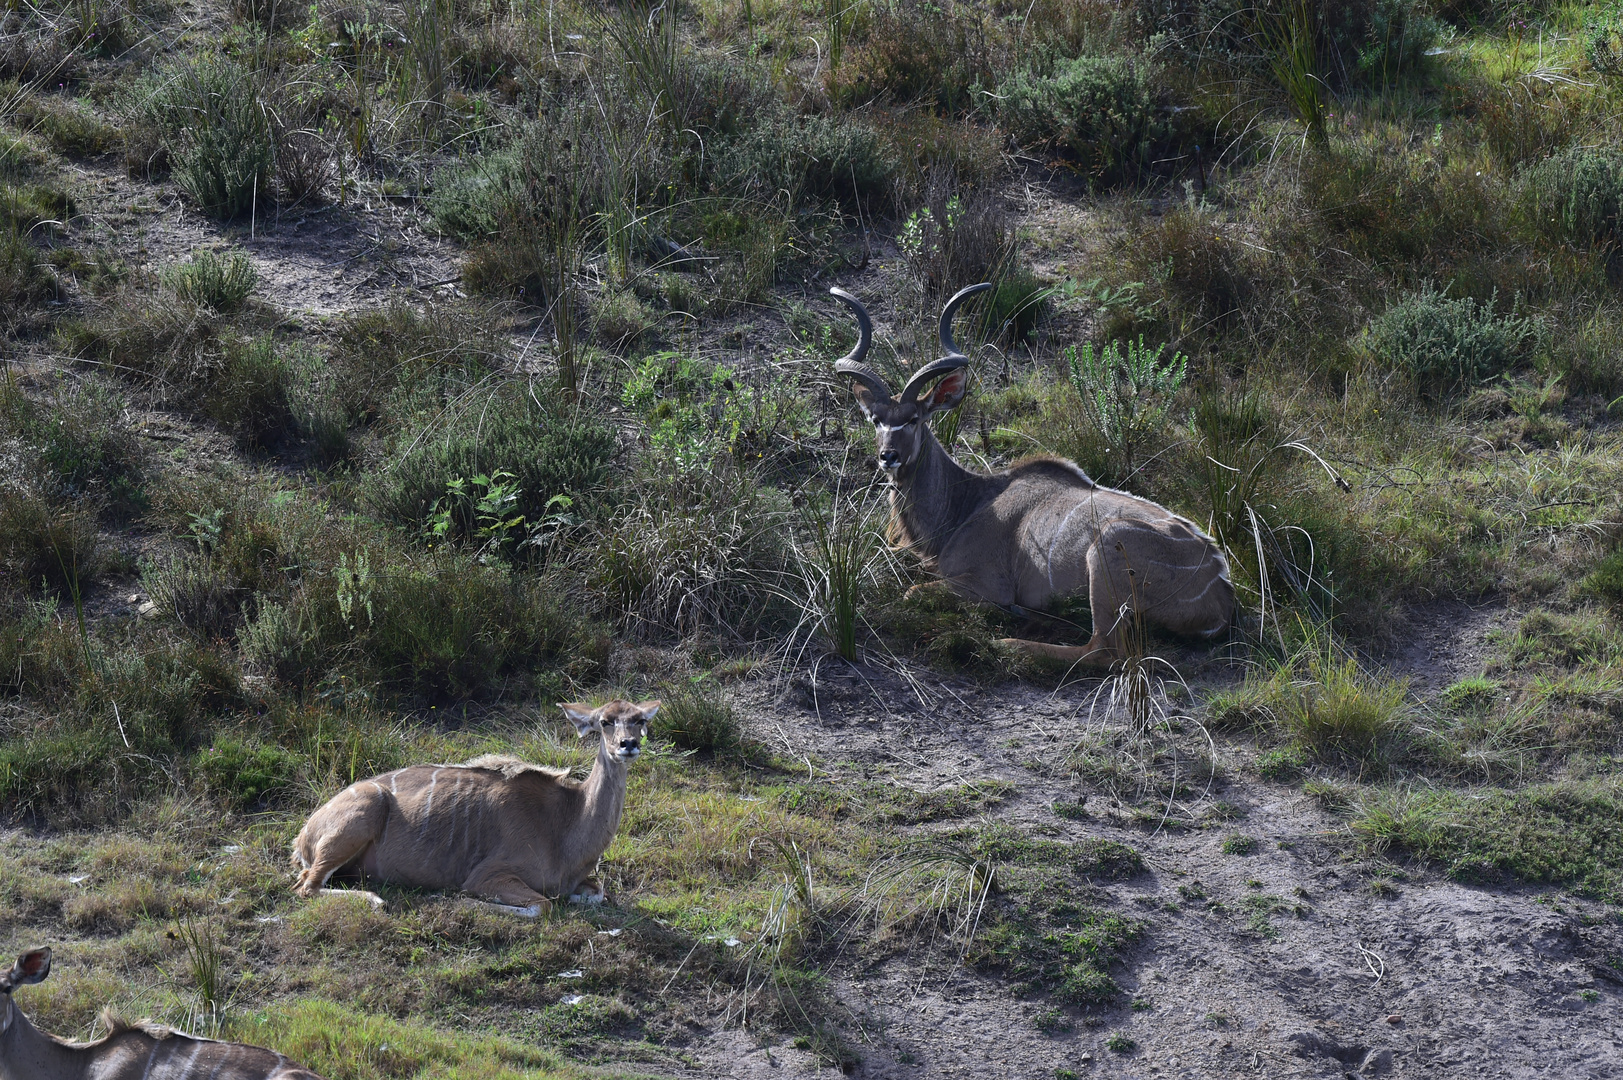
x,y
698,548
697,717
242,772
25,278
251,395
439,628
46,539
916,51
389,361
1605,582
809,157
1105,111
86,452
222,282
1448,344
41,653
956,238
1578,196
209,119
164,344
1125,396
546,447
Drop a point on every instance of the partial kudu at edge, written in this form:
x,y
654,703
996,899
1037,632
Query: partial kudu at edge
x,y
131,1051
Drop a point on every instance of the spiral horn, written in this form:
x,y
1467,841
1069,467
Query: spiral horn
x,y
953,360
851,364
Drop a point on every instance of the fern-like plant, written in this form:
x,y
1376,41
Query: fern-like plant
x,y
1126,394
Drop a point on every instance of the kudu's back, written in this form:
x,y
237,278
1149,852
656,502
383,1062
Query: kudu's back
x,y
135,1054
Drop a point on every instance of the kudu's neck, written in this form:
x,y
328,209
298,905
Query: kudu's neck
x,y
933,495
27,1053
605,791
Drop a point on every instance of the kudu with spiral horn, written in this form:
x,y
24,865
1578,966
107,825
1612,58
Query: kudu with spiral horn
x,y
1038,531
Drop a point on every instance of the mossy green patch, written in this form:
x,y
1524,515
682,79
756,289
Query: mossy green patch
x,y
343,1043
1558,834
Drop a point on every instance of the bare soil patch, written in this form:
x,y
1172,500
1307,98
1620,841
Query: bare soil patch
x,y
1300,959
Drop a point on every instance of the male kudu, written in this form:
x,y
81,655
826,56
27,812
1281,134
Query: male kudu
x,y
1038,530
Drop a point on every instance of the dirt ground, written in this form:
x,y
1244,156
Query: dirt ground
x,y
1381,969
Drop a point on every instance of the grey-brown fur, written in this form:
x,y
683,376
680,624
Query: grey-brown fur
x,y
131,1050
1039,530
496,827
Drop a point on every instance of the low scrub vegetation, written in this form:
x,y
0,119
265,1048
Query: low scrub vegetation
x,y
427,368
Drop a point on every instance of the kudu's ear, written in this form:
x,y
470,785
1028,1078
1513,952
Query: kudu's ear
x,y
584,717
948,392
648,709
866,400
31,967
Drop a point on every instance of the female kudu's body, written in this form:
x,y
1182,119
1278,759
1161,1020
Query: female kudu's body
x,y
495,827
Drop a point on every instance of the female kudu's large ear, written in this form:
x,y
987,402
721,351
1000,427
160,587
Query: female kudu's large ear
x,y
31,967
584,717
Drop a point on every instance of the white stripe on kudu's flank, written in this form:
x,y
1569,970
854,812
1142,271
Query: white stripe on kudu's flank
x,y
152,1053
1059,534
226,1055
432,780
183,1072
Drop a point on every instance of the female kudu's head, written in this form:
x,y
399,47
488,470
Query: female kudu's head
x,y
899,422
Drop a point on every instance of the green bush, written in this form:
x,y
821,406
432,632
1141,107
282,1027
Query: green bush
x,y
242,772
251,396
41,656
168,346
1106,111
25,278
223,282
46,540
1578,196
916,51
697,717
393,360
1605,582
209,118
87,452
811,157
689,549
548,448
1448,344
437,629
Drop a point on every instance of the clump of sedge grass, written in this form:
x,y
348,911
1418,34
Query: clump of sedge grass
x,y
222,281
